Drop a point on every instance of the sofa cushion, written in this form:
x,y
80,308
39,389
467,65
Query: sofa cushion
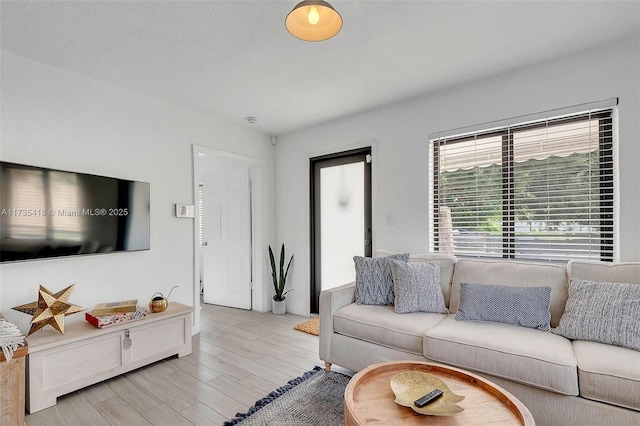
x,y
524,306
416,287
602,312
512,273
605,271
374,283
446,261
525,355
608,373
381,325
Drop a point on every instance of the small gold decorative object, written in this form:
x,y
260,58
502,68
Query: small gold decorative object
x,y
50,309
411,385
158,302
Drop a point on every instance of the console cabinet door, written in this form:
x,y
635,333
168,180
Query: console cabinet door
x,y
69,367
155,341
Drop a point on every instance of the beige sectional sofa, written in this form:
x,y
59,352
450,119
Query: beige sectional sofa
x,y
561,381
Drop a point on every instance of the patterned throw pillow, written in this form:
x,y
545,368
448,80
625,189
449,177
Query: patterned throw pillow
x,y
602,312
417,287
374,285
525,306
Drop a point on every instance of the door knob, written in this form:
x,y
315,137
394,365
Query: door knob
x,y
367,242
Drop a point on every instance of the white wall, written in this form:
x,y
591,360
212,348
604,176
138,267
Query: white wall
x,y
401,131
55,119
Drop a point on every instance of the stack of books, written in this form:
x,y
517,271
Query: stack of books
x,y
112,313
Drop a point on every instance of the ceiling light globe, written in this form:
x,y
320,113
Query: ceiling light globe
x,y
313,20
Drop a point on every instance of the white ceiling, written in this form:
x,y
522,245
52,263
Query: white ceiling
x,y
235,58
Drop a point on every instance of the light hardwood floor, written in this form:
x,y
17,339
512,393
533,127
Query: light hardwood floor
x,y
239,357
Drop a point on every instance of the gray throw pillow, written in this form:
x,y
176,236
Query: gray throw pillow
x,y
602,312
417,288
374,285
524,306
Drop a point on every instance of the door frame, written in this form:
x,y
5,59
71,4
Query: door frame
x,y
314,207
257,226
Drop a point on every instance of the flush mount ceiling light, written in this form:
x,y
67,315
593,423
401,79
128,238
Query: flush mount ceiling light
x,y
313,20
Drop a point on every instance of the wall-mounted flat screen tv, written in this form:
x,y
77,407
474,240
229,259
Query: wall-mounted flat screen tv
x,y
50,213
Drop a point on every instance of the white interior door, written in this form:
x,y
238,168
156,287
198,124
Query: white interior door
x,y
227,230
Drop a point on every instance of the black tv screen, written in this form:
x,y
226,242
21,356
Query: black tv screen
x,y
49,213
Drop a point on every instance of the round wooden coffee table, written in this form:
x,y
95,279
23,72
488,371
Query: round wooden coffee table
x,y
368,398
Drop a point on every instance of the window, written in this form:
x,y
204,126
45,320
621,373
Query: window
x,y
541,189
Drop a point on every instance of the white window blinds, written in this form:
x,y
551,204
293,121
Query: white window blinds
x,y
543,189
201,214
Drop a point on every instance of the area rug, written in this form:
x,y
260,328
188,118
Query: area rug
x,y
311,326
314,399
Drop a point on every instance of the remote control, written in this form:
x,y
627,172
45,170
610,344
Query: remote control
x,y
431,396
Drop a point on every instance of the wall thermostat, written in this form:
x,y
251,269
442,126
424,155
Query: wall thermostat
x,y
185,210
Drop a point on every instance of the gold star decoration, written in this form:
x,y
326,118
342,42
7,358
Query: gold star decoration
x,y
50,309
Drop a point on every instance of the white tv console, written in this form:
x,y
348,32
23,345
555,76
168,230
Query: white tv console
x,y
58,364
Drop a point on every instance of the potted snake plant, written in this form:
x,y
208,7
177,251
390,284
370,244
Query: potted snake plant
x,y
279,281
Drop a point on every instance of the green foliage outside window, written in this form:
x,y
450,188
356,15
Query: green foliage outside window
x,y
569,196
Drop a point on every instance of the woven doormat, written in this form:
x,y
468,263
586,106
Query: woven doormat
x,y
311,326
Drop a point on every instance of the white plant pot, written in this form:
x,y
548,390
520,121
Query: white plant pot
x,y
278,308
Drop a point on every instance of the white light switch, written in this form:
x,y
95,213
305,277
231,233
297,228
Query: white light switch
x,y
185,210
